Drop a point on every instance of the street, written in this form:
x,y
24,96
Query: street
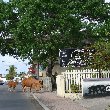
x,y
17,100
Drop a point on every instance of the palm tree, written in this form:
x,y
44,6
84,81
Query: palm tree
x,y
11,72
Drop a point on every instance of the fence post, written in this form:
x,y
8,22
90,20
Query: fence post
x,y
47,84
60,81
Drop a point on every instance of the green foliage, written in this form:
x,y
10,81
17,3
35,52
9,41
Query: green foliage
x,y
101,56
11,72
9,77
74,88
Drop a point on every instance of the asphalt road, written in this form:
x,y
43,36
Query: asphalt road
x,y
17,100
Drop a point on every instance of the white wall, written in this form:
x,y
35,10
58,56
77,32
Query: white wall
x,y
3,79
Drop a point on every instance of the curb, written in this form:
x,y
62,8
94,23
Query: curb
x,y
44,106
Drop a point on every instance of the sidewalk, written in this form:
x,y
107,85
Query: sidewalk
x,y
50,101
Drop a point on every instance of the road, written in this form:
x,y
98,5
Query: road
x,y
17,100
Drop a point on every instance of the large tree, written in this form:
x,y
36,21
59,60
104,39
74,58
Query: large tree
x,y
39,28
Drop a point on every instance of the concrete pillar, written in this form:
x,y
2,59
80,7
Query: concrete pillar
x,y
60,81
47,84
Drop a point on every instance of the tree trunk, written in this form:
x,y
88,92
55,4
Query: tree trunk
x,y
49,74
49,68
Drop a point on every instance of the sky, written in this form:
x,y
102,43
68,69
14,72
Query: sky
x,y
6,61
107,0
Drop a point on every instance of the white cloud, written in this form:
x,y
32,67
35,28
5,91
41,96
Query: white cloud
x,y
107,1
6,0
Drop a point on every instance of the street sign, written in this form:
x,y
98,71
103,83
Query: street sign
x,y
74,57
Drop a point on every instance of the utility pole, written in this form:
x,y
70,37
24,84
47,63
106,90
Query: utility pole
x,y
38,70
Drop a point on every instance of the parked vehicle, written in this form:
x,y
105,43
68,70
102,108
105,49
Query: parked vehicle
x,y
1,82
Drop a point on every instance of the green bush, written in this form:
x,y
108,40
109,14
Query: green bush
x,y
74,88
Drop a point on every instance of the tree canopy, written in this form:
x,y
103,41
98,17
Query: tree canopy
x,y
37,29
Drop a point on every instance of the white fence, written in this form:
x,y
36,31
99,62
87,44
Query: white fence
x,y
67,78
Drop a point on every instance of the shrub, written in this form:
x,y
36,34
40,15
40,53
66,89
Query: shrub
x,y
74,88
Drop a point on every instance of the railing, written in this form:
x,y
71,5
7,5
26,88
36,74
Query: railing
x,y
76,77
